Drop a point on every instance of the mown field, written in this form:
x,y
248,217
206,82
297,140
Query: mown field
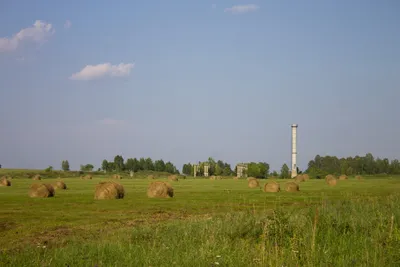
x,y
207,223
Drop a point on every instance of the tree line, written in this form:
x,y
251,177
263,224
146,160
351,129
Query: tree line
x,y
358,165
318,167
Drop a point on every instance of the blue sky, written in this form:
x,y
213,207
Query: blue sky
x,y
185,80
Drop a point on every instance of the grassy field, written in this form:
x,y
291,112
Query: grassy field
x,y
207,223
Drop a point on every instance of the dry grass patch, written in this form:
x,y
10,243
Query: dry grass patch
x,y
36,177
41,190
160,189
109,190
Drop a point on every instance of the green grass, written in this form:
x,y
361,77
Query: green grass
x,y
207,222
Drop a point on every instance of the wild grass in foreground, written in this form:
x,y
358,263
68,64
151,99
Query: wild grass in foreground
x,y
346,232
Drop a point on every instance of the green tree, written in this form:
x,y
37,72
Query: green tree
x,y
87,167
65,165
187,169
130,164
49,169
159,165
105,165
285,172
119,163
149,164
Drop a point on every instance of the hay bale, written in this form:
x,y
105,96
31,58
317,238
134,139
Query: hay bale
x,y
109,190
253,183
160,189
342,177
60,185
306,177
150,177
292,187
117,176
41,190
272,187
331,180
4,181
36,177
299,178
359,177
173,178
87,177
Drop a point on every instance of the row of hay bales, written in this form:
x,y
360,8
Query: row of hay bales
x,y
272,187
331,180
104,190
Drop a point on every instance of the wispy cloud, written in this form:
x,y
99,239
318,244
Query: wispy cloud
x,y
38,33
91,72
239,9
67,24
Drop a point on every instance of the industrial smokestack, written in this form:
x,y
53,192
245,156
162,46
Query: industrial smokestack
x,y
294,150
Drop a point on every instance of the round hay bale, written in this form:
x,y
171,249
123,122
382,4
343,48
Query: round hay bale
x,y
359,177
235,178
36,177
4,181
88,177
109,190
173,178
272,187
329,176
306,177
41,190
160,189
331,180
60,185
212,177
292,187
117,176
299,178
150,177
342,177
218,178
253,183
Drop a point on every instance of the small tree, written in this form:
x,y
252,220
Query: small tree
x,y
285,171
49,169
65,165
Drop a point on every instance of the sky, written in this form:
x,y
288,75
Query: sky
x,y
182,81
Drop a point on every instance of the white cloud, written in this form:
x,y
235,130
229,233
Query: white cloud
x,y
67,24
242,9
91,72
38,33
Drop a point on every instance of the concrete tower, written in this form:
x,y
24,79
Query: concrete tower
x,y
294,150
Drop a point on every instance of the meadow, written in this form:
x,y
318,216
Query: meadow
x,y
206,223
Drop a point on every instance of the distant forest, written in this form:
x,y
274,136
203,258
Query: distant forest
x,y
318,167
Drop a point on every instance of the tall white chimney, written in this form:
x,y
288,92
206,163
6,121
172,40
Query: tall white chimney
x,y
294,150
